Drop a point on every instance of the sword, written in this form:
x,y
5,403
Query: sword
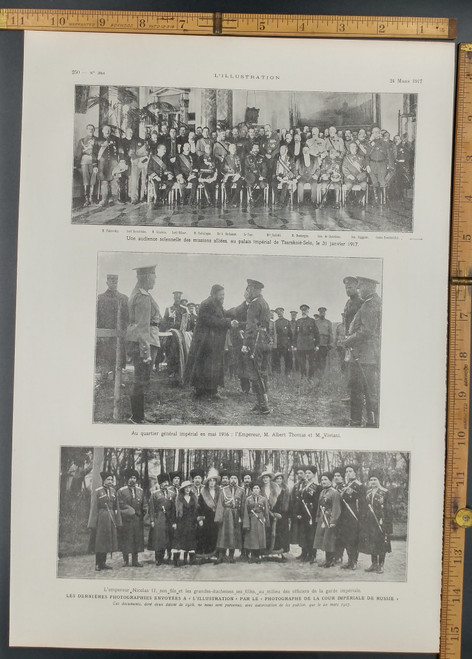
x,y
350,510
258,518
377,521
323,510
309,514
111,516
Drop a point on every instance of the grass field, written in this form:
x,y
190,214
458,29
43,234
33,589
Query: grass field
x,y
293,400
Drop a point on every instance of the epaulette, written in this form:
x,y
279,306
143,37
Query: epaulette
x,y
99,488
384,489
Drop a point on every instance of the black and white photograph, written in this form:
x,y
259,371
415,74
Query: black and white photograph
x,y
212,339
233,514
242,158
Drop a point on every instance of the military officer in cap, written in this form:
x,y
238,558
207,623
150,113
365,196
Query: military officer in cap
x,y
143,337
363,341
256,343
352,513
284,341
293,340
308,340
380,162
354,301
197,481
325,329
133,508
104,520
175,478
228,516
162,516
309,494
112,313
377,523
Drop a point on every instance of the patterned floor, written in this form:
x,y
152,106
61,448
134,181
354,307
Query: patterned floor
x,y
397,217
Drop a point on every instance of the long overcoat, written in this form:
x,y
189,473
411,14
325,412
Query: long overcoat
x,y
329,510
104,519
162,514
133,509
256,522
207,502
185,537
205,364
228,516
377,524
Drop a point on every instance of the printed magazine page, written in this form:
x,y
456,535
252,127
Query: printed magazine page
x,y
232,290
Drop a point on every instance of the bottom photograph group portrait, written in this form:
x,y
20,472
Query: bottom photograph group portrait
x,y
233,514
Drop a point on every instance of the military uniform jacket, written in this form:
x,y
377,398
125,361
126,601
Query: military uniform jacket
x,y
160,167
162,514
257,323
132,503
220,150
331,170
353,506
316,145
232,165
104,519
377,524
380,152
229,514
107,310
284,333
335,143
84,151
185,165
308,336
354,165
364,332
328,513
207,167
325,328
106,157
308,173
144,318
285,168
254,168
351,307
309,494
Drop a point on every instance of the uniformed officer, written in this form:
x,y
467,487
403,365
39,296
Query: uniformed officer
x,y
233,175
379,163
354,171
133,508
293,339
162,517
104,520
315,143
186,173
334,142
138,154
353,511
106,158
160,174
377,523
308,340
354,301
112,313
330,177
208,173
363,340
142,336
255,174
284,342
83,156
325,329
256,343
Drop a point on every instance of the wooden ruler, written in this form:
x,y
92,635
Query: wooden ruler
x,y
290,25
456,516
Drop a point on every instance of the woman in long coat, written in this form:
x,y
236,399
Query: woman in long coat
x,y
377,523
282,533
207,502
329,511
185,537
103,521
256,522
162,516
205,364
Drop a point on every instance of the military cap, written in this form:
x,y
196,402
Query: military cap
x,y
311,468
328,475
185,484
294,312
322,309
376,473
105,474
184,301
216,288
173,474
304,307
162,478
255,283
114,277
177,292
191,304
129,473
367,280
196,472
279,309
350,280
146,270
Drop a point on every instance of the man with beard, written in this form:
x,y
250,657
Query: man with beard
x,y
162,516
308,170
228,516
104,520
363,341
160,174
255,174
175,478
112,314
353,169
285,176
256,345
205,364
133,509
143,337
233,179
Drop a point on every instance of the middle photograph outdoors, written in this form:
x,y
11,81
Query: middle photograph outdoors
x,y
237,340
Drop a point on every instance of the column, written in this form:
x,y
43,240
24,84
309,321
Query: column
x,y
224,102
208,117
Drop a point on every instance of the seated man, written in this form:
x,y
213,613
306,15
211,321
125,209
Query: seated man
x,y
331,178
308,170
186,174
353,169
284,175
208,173
255,174
159,172
232,175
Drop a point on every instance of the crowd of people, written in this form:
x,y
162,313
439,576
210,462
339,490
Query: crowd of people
x,y
247,340
209,518
245,165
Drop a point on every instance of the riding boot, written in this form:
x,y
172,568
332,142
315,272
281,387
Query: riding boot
x,y
231,555
375,564
191,558
383,196
137,408
176,558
